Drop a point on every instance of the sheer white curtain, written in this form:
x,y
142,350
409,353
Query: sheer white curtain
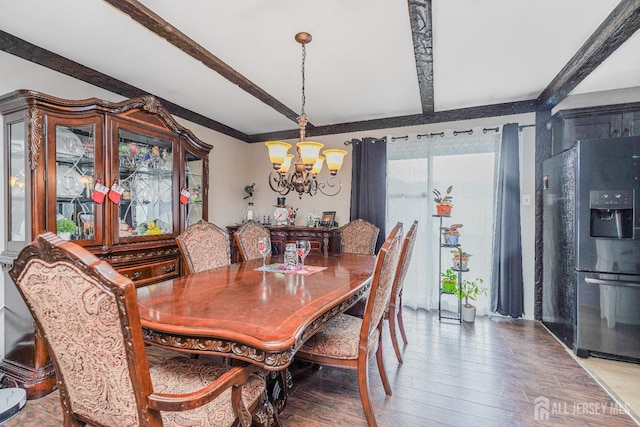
x,y
416,164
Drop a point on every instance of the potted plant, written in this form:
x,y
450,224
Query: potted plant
x,y
64,228
469,291
443,201
451,235
460,259
449,281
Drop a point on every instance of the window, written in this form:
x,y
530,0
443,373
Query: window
x,y
417,166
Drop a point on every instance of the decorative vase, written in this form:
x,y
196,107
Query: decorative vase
x,y
444,210
250,213
66,235
468,313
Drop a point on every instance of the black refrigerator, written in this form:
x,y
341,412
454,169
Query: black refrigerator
x,y
591,247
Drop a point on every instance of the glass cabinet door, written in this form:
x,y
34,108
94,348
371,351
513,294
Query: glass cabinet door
x,y
75,159
145,176
194,172
17,221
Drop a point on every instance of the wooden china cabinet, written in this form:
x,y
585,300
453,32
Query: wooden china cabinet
x,y
58,154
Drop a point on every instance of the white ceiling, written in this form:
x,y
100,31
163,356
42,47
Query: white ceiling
x,y
360,65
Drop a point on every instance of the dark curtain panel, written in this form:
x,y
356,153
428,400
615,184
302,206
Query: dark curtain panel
x,y
369,183
507,287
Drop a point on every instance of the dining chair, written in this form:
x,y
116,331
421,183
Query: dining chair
x,y
349,341
204,246
87,316
359,237
394,310
247,240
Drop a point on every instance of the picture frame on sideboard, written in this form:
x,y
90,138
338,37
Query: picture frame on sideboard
x,y
328,219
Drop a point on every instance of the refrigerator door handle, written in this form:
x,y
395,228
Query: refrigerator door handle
x,y
597,281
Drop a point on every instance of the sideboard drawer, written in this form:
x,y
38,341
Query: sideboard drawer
x,y
152,272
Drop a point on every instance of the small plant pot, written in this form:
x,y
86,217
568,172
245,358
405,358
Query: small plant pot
x,y
444,210
460,264
448,287
451,239
65,235
468,313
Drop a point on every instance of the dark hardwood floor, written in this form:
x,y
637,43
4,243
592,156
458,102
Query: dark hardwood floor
x,y
495,372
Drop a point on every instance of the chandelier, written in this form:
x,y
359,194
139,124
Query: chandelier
x,y
302,175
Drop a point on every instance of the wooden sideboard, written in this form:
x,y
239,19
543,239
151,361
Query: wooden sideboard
x,y
323,239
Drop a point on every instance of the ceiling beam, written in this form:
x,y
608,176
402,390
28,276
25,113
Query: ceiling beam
x,y
154,22
621,24
494,110
25,50
421,28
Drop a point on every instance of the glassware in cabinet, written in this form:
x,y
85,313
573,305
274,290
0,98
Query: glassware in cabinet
x,y
145,175
194,175
75,157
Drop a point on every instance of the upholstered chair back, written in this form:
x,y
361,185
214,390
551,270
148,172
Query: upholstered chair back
x,y
359,237
87,316
382,282
247,240
204,246
405,258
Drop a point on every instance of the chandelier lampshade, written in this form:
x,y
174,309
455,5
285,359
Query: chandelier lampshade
x,y
309,152
317,166
335,158
277,152
286,165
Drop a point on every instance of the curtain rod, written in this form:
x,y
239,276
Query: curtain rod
x,y
429,135
366,139
441,134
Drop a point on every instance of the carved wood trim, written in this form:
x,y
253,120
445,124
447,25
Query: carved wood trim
x,y
621,24
271,360
422,31
37,382
493,110
542,152
142,255
35,130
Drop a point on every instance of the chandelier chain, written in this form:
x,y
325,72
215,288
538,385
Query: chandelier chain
x,y
304,57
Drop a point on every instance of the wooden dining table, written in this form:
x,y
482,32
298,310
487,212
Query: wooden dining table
x,y
261,317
